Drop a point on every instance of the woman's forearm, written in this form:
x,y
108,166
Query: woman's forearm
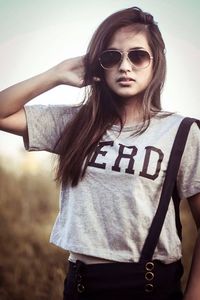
x,y
192,291
15,97
69,72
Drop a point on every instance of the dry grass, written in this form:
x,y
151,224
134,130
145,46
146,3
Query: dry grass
x,y
30,267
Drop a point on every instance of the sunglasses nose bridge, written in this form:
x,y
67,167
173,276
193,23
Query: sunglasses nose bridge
x,y
125,60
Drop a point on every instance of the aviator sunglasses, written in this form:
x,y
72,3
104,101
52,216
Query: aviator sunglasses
x,y
140,59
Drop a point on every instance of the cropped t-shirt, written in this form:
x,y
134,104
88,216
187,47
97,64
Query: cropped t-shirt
x,y
108,214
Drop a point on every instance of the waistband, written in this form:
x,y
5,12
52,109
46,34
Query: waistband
x,y
149,276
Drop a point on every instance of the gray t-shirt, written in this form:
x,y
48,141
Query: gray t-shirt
x,y
108,214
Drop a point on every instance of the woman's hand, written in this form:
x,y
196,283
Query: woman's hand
x,y
70,71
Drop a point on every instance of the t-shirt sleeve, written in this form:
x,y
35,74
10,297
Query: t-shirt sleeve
x,y
45,124
188,180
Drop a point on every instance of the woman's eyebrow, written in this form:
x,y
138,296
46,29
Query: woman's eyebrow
x,y
133,48
137,48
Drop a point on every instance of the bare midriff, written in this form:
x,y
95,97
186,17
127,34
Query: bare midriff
x,y
87,259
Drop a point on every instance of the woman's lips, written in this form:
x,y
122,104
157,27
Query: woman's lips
x,y
125,80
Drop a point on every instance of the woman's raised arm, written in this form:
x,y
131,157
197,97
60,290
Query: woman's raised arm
x,y
12,100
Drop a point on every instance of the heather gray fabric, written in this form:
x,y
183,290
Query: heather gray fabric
x,y
110,211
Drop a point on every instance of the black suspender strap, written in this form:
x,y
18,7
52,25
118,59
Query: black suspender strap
x,y
177,200
167,190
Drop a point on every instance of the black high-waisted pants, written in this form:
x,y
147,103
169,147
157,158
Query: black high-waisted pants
x,y
123,281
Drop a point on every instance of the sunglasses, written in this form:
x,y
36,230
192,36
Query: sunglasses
x,y
140,59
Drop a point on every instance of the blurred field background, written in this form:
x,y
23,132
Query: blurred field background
x,y
30,267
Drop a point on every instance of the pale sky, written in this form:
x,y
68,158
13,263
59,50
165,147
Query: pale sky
x,y
36,35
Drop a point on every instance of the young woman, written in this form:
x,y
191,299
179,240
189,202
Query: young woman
x,y
113,154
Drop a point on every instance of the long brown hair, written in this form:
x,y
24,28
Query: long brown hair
x,y
101,106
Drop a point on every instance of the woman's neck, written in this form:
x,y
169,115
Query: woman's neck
x,y
133,113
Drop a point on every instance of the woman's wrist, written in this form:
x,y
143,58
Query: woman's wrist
x,y
52,78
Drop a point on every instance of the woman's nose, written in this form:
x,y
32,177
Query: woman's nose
x,y
125,64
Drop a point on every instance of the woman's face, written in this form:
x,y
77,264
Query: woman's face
x,y
123,79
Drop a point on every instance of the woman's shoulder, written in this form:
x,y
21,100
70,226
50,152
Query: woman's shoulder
x,y
55,110
171,118
167,124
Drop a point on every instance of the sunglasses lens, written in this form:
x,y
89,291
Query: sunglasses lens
x,y
110,58
139,58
